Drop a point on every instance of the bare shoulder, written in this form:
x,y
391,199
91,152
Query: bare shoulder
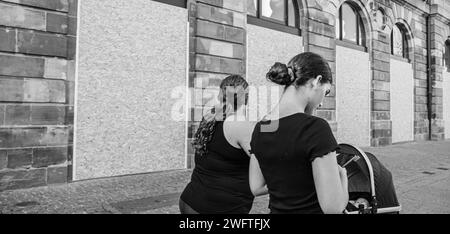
x,y
240,125
239,128
238,133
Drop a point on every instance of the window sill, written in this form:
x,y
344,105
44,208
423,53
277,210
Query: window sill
x,y
178,3
272,25
351,45
396,57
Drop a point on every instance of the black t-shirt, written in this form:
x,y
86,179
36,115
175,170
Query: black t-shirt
x,y
219,183
285,149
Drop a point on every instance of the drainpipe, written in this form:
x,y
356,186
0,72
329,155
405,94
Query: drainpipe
x,y
430,83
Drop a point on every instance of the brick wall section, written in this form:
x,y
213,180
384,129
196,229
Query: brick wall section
x,y
417,44
320,38
438,23
217,42
417,52
421,122
37,61
381,123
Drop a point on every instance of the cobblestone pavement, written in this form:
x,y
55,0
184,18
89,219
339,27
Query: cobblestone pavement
x,y
421,175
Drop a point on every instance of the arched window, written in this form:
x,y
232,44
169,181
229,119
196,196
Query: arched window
x,y
349,25
280,12
399,46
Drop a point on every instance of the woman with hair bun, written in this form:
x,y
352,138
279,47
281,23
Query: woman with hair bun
x,y
297,159
220,180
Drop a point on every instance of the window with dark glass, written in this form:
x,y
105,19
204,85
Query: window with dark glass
x,y
398,42
277,11
349,25
446,56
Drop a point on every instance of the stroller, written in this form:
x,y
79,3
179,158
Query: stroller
x,y
370,185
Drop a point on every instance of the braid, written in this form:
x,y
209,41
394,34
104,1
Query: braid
x,y
204,135
206,129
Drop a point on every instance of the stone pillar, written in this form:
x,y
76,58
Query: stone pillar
x,y
217,42
421,123
436,67
320,38
381,123
37,53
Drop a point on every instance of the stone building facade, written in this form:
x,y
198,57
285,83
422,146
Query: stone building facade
x,y
92,89
37,73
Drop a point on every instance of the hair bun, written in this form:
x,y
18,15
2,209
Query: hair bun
x,y
279,74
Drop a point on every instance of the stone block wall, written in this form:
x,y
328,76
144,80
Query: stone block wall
x,y
421,122
381,122
37,71
320,35
439,26
217,48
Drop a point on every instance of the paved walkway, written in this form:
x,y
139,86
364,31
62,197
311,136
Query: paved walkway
x,y
421,174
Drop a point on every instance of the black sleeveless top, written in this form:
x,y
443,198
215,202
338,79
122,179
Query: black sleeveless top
x,y
220,181
285,149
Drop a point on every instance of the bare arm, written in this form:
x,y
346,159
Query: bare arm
x,y
257,182
331,184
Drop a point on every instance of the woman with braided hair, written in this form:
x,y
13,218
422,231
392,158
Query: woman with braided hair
x,y
220,180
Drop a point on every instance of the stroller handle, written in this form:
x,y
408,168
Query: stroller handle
x,y
369,166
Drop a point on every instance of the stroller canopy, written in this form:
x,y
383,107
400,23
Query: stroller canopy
x,y
359,181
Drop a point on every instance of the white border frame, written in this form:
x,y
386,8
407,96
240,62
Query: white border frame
x,y
75,105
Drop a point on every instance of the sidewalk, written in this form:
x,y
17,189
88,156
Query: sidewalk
x,y
421,174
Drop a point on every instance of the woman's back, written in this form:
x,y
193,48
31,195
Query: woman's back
x,y
285,155
219,182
